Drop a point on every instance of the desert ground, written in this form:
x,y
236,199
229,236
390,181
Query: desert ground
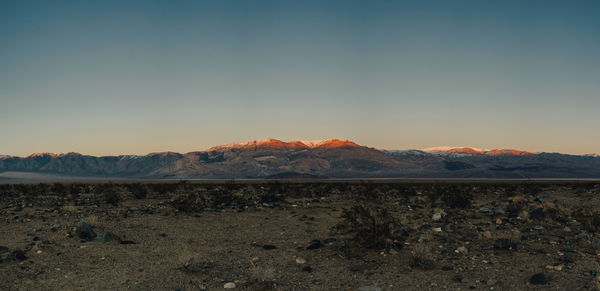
x,y
282,235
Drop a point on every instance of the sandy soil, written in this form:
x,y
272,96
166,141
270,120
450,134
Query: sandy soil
x,y
265,246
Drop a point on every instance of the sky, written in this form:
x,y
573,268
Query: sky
x,y
134,77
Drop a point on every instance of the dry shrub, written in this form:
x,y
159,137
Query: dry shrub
x,y
69,209
373,228
92,220
263,273
589,218
188,202
422,258
111,195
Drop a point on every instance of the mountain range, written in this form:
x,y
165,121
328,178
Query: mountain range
x,y
332,158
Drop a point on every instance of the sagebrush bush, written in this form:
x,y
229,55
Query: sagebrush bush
x,y
373,227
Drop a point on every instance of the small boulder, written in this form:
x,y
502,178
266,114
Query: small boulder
x,y
300,261
538,279
229,285
315,244
84,231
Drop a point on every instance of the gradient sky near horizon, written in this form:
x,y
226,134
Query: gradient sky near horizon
x,y
133,77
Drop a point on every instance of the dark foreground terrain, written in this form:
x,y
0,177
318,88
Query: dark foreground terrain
x,y
300,236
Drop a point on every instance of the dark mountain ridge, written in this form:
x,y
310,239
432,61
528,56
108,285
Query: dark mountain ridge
x,y
332,158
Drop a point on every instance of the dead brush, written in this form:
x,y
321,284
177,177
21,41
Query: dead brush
x,y
70,209
422,258
373,227
92,220
589,218
188,202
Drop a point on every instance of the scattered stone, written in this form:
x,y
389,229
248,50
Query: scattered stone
x,y
163,234
3,249
538,227
307,269
127,242
487,234
447,268
555,268
485,209
461,250
491,282
369,288
300,261
229,285
436,217
393,252
84,231
269,247
315,244
538,279
329,240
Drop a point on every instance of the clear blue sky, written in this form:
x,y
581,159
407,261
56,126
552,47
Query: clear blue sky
x,y
132,77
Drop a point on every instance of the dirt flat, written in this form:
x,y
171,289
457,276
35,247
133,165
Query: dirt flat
x,y
293,237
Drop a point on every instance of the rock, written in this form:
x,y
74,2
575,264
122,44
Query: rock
x,y
3,249
519,199
307,269
436,217
462,250
491,282
315,244
538,227
300,261
437,229
485,209
19,254
127,242
393,252
163,234
555,268
369,288
538,279
457,278
329,240
447,268
229,285
498,221
269,247
487,234
84,231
